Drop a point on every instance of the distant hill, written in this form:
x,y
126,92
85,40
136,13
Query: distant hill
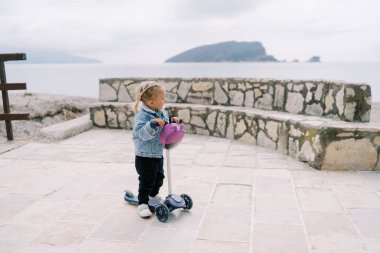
x,y
231,51
314,59
50,57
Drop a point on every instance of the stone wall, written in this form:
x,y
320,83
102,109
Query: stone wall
x,y
321,142
338,100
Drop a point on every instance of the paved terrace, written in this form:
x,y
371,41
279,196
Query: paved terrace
x,y
68,197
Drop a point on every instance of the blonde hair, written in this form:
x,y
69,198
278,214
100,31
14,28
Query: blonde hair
x,y
146,91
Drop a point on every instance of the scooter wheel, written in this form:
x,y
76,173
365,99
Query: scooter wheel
x,y
188,201
162,213
128,196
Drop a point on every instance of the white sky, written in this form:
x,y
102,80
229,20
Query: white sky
x,y
150,31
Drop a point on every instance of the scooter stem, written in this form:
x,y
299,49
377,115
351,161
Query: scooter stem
x,y
169,172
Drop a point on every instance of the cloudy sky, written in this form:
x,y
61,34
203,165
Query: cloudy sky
x,y
150,31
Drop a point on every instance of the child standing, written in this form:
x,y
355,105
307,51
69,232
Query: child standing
x,y
149,161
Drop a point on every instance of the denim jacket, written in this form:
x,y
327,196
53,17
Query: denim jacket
x,y
146,134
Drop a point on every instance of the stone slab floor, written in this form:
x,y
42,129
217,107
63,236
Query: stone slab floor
x,y
68,197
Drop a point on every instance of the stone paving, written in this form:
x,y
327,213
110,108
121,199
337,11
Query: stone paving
x,y
67,196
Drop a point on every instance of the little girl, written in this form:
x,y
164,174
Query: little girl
x,y
149,121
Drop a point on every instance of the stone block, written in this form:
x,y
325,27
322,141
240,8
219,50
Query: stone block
x,y
236,98
107,92
220,95
294,102
202,86
279,96
183,89
350,154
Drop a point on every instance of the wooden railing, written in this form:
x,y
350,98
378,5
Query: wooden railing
x,y
4,87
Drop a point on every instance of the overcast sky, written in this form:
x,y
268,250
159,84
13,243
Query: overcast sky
x,y
150,31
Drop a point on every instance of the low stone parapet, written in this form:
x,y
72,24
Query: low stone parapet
x,y
332,99
324,143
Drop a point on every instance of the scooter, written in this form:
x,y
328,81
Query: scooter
x,y
170,137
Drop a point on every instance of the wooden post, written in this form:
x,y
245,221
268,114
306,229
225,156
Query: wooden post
x,y
4,86
4,93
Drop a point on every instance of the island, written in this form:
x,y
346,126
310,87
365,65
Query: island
x,y
314,59
230,51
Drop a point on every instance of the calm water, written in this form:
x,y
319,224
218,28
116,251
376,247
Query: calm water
x,y
83,79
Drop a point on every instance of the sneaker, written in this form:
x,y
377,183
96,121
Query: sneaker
x,y
144,211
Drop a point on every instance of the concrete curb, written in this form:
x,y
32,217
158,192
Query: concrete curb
x,y
67,129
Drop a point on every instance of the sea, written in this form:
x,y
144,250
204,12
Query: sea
x,y
83,79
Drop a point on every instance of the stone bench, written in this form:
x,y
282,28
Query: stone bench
x,y
326,142
338,100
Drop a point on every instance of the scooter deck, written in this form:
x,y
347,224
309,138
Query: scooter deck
x,y
132,199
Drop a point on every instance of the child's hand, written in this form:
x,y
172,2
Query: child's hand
x,y
160,122
176,119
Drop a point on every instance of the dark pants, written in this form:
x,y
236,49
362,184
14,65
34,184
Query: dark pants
x,y
151,177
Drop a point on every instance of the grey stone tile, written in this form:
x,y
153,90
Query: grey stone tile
x,y
345,178
118,184
73,191
44,183
271,163
265,153
17,235
4,161
278,238
124,224
216,146
14,203
232,195
64,234
99,246
44,248
203,246
93,209
210,159
7,247
322,200
240,161
297,165
19,153
367,221
276,209
43,212
236,175
373,246
18,173
5,191
372,177
273,185
272,173
184,219
357,196
226,223
198,191
199,182
310,178
339,251
162,240
242,150
208,174
331,231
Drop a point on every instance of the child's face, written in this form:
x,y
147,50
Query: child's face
x,y
158,102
